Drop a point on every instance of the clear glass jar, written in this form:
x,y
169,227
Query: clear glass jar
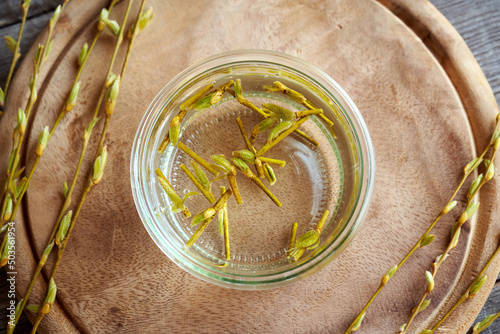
x,y
337,175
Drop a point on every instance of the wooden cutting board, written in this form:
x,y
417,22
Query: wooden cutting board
x,y
426,103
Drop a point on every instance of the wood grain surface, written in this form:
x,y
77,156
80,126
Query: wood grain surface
x,y
330,297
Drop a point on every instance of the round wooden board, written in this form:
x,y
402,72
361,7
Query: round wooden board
x,y
426,103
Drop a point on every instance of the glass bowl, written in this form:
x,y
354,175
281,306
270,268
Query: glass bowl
x,y
337,175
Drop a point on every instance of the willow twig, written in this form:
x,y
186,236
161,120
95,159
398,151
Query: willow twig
x,y
25,8
96,172
218,205
41,54
485,323
243,167
267,146
197,158
471,291
448,207
225,223
257,161
68,106
174,129
466,215
207,193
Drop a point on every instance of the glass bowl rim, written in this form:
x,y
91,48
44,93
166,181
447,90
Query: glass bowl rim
x,y
356,123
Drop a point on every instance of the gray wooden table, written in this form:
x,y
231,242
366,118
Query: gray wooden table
x,y
478,21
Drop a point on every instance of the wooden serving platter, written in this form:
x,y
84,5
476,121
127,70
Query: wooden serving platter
x,y
426,103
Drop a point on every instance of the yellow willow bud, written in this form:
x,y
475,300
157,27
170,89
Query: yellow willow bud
x,y
51,297
73,95
83,54
42,141
11,43
99,165
112,96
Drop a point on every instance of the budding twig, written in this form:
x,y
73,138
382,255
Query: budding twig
x,y
16,55
466,215
197,158
218,205
96,172
450,204
471,291
243,167
207,193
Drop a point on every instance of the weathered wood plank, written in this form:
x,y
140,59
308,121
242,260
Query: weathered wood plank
x,y
492,306
11,10
478,23
33,28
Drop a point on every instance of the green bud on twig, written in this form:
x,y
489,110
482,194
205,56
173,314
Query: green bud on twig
x,y
177,203
474,186
7,213
198,218
455,237
144,19
65,189
11,43
388,275
221,160
423,306
471,165
7,249
358,321
200,175
99,165
102,16
83,54
269,173
21,121
112,96
402,328
113,26
482,325
279,129
430,281
438,258
90,127
478,284
490,170
46,253
42,141
73,95
110,79
51,297
20,187
175,130
244,155
55,17
63,228
2,97
209,213
33,308
449,207
47,51
240,164
280,112
427,240
468,213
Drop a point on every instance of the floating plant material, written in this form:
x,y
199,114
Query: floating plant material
x,y
279,121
